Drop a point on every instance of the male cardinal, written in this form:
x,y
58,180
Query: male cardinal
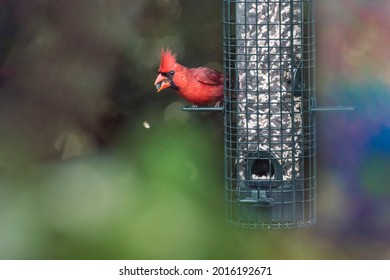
x,y
200,86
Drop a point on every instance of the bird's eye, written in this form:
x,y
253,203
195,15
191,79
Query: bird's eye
x,y
171,73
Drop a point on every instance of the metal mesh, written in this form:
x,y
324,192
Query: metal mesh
x,y
270,152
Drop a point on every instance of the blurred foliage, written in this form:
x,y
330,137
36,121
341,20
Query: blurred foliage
x,y
81,177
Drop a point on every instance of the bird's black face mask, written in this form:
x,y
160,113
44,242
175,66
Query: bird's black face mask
x,y
169,76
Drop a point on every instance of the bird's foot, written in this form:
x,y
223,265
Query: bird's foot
x,y
218,104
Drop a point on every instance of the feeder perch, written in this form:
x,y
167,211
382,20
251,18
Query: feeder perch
x,y
270,113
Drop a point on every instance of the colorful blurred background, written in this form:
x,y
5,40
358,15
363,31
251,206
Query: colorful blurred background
x,y
95,165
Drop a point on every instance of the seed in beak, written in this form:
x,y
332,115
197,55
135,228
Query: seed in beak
x,y
160,85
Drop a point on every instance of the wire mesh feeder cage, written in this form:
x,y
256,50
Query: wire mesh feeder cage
x,y
270,130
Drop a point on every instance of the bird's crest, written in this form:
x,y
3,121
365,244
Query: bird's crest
x,y
168,60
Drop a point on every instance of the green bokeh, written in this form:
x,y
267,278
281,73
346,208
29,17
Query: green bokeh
x,y
375,175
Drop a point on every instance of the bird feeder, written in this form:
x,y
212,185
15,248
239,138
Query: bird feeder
x,y
270,130
270,112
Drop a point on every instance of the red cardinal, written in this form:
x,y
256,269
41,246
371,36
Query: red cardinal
x,y
200,86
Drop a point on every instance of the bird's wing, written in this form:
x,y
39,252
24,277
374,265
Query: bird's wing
x,y
208,76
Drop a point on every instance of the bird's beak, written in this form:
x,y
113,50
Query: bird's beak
x,y
161,83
